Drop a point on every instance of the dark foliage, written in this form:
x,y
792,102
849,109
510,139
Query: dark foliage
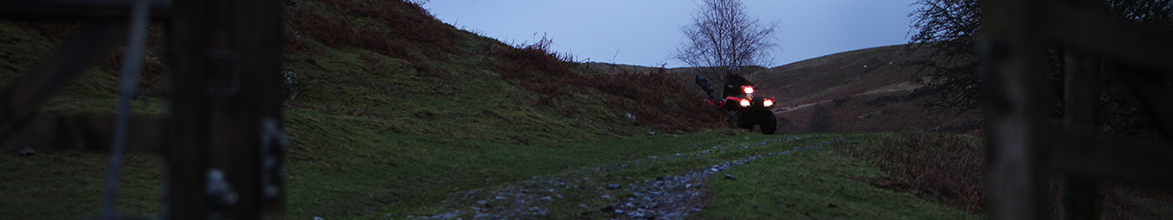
x,y
950,28
1122,200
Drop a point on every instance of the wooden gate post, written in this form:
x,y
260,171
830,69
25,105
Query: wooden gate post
x,y
226,107
186,150
1081,113
1014,110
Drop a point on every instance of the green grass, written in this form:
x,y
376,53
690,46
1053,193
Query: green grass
x,y
339,167
69,184
805,184
375,135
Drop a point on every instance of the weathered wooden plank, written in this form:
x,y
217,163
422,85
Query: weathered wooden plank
x,y
1014,109
1081,111
186,152
1087,155
65,9
83,132
254,34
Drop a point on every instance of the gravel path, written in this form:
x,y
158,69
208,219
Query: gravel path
x,y
669,197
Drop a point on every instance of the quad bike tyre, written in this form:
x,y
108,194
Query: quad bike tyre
x,y
736,119
770,124
766,120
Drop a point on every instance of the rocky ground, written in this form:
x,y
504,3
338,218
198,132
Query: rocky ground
x,y
667,197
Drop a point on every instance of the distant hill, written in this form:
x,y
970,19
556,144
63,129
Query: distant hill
x,y
865,90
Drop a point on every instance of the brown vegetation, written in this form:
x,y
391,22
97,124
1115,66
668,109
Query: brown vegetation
x,y
950,170
1126,201
654,97
390,34
392,28
936,167
61,30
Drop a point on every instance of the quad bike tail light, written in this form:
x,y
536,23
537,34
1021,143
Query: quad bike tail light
x,y
768,103
744,103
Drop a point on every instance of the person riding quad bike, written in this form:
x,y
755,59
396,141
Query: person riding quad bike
x,y
734,81
745,109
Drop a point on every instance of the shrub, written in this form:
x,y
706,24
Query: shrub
x,y
937,167
656,98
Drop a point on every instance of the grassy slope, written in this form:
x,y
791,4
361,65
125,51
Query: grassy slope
x,y
68,184
866,90
805,184
372,133
879,97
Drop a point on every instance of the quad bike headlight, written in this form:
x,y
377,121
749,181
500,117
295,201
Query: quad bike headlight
x,y
768,103
745,103
747,89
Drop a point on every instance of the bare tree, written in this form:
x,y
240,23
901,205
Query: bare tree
x,y
949,28
722,34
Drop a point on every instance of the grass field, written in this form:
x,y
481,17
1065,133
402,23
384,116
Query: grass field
x,y
370,174
394,124
821,183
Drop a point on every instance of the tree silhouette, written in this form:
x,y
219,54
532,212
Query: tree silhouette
x,y
722,34
950,29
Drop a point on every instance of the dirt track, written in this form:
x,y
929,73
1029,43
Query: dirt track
x,y
670,197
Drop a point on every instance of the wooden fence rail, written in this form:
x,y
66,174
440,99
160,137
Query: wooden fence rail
x,y
1024,148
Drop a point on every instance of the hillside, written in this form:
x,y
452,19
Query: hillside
x,y
391,103
401,116
866,90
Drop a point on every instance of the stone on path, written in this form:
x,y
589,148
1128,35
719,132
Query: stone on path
x,y
613,186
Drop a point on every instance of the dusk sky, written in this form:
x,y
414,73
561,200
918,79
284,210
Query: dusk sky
x,y
645,32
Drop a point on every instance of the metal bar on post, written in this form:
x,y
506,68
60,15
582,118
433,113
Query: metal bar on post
x,y
1011,54
131,65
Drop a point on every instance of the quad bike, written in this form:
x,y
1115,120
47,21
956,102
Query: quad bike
x,y
744,111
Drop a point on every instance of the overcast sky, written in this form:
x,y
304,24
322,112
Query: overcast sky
x,y
645,32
